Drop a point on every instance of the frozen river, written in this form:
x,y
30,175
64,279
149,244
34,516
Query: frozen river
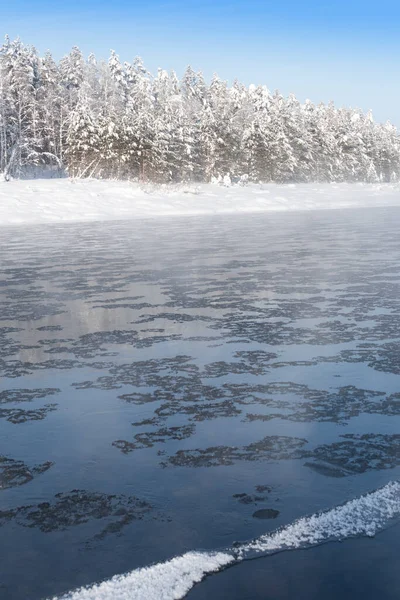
x,y
182,384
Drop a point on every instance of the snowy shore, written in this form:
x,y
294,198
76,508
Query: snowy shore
x,y
63,200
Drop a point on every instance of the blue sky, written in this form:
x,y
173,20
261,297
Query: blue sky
x,y
346,51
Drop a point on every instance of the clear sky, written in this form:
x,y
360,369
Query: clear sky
x,y
342,50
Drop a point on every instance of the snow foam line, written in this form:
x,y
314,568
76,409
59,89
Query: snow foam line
x,y
366,515
172,580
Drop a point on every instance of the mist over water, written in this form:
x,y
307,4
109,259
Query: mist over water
x,y
182,385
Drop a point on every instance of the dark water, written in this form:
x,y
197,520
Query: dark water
x,y
176,385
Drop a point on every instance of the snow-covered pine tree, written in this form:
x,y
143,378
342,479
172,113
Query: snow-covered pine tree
x,y
255,144
114,120
195,105
21,140
139,122
171,136
51,111
225,128
83,138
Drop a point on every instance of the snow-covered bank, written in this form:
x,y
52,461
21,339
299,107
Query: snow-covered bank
x,y
57,200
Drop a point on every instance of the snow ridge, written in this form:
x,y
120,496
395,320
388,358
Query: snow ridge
x,y
172,580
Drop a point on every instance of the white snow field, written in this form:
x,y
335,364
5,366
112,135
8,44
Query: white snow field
x,y
62,200
172,580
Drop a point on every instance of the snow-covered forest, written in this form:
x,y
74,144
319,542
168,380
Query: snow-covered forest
x,y
114,120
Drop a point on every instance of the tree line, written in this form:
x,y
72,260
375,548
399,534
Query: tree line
x,y
116,120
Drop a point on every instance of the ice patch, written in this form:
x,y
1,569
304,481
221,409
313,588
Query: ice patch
x,y
172,580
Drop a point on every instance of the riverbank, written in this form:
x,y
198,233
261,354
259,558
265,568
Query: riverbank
x,y
62,200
